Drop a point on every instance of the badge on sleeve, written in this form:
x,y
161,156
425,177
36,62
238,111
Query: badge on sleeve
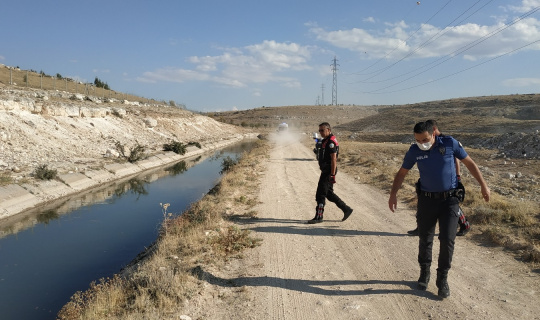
x,y
331,145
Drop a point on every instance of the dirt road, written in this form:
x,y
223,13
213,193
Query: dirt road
x,y
363,268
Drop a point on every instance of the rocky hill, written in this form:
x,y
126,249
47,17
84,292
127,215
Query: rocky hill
x,y
87,140
74,132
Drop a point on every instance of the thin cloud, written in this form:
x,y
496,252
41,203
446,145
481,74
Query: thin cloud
x,y
238,67
431,41
526,5
369,19
521,82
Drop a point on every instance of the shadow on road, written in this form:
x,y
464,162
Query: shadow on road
x,y
311,230
321,287
300,159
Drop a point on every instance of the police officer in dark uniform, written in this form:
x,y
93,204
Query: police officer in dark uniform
x,y
327,158
464,225
437,200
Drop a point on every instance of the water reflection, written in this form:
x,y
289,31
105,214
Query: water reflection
x,y
53,251
47,216
177,168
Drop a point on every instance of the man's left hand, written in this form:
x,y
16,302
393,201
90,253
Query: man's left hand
x,y
332,179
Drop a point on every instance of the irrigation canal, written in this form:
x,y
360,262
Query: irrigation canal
x,y
48,254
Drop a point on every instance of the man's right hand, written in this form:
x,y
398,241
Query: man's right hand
x,y
332,179
392,202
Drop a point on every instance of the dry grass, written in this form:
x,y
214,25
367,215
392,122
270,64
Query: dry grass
x,y
28,79
510,222
157,284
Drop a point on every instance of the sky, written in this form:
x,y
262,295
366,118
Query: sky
x,y
217,55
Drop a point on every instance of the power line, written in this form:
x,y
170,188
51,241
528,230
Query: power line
x,y
425,43
457,72
410,36
461,50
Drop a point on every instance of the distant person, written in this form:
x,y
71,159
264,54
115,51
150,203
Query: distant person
x,y
318,142
464,225
437,202
327,155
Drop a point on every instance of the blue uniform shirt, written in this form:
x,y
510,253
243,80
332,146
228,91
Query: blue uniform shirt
x,y
437,167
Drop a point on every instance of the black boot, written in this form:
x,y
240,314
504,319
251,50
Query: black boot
x,y
319,210
442,284
346,213
424,278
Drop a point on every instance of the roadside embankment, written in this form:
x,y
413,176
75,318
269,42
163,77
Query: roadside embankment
x,y
80,137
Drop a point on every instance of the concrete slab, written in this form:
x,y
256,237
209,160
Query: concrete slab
x,y
169,156
15,199
122,169
49,190
99,176
77,181
151,162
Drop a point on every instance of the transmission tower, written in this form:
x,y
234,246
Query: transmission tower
x,y
334,66
322,94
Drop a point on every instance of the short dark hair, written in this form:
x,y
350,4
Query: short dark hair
x,y
422,127
326,124
433,123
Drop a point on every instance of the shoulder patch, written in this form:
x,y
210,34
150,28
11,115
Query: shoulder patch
x,y
331,145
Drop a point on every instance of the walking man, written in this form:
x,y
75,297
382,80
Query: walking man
x,y
327,157
437,201
464,225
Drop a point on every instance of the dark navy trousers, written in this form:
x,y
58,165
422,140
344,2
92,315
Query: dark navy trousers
x,y
431,211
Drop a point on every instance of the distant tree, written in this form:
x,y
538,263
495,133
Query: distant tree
x,y
58,76
100,84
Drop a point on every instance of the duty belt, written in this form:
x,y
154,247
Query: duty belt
x,y
439,195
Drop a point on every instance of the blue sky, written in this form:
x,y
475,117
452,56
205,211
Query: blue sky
x,y
226,55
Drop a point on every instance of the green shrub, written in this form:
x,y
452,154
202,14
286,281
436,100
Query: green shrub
x,y
227,164
42,172
176,147
193,143
135,154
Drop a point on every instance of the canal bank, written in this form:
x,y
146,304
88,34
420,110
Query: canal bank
x,y
50,254
15,198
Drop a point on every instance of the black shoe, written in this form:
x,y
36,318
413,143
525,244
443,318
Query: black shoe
x,y
442,284
463,230
413,232
317,219
347,213
424,278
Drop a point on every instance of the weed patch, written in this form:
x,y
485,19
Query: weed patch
x,y
43,172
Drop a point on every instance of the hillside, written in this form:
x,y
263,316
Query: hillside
x,y
509,123
77,134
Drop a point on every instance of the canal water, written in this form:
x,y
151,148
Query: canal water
x,y
51,253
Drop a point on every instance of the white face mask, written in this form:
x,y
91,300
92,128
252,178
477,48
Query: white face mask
x,y
424,146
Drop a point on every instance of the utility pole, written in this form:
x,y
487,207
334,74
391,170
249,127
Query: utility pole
x,y
322,94
334,82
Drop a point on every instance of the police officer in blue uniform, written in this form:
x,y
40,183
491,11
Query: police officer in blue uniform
x,y
437,200
327,157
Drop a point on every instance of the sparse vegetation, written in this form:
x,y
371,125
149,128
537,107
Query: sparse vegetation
x,y
5,179
100,84
135,153
227,164
158,284
43,172
176,147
